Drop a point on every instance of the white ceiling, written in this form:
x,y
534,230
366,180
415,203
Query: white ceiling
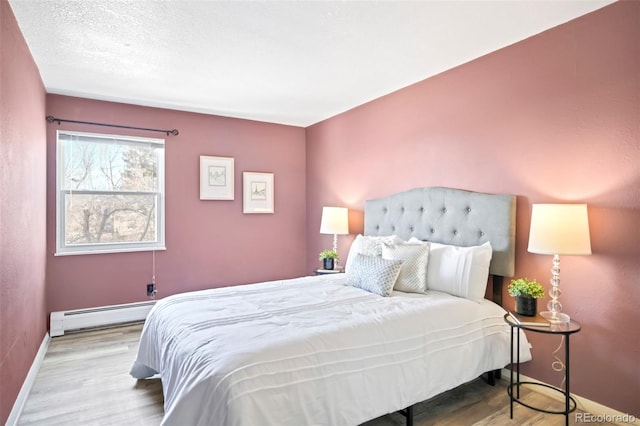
x,y
289,62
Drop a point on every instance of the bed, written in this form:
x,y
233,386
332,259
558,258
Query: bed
x,y
337,349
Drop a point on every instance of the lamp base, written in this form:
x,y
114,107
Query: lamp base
x,y
555,317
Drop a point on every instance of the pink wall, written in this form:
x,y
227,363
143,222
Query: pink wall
x,y
23,322
554,118
209,243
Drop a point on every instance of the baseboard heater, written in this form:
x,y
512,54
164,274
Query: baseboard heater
x,y
102,316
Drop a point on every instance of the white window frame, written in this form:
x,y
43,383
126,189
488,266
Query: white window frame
x,y
62,249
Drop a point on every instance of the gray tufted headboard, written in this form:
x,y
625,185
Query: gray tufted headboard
x,y
449,216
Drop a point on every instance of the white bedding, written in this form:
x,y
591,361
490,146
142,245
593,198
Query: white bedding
x,y
313,351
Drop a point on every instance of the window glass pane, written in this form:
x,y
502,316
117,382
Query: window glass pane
x,y
118,218
109,164
110,193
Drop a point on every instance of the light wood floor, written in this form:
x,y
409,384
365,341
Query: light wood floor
x,y
84,380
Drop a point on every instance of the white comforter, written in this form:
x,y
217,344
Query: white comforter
x,y
313,351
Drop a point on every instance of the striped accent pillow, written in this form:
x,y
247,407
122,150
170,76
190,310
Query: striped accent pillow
x,y
459,271
373,274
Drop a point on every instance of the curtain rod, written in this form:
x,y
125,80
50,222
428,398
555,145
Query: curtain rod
x,y
51,119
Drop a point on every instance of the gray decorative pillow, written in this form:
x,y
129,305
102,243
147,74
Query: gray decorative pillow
x,y
413,273
373,274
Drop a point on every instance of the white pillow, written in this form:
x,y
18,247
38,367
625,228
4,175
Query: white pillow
x,y
413,273
373,274
369,246
460,271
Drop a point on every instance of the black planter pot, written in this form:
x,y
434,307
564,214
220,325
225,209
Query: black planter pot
x,y
327,264
526,306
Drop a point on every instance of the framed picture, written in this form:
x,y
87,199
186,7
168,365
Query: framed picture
x,y
258,192
216,178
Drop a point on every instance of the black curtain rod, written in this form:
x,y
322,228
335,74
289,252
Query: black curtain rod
x,y
51,119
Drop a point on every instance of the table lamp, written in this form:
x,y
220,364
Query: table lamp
x,y
558,229
335,220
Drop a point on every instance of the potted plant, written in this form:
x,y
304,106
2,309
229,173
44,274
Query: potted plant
x,y
328,257
526,292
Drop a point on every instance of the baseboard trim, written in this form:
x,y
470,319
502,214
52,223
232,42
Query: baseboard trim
x,y
609,414
25,390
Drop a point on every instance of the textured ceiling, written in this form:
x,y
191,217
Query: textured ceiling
x,y
287,62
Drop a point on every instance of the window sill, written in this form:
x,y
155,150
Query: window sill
x,y
108,251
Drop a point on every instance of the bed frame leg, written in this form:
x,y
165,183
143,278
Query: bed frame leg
x,y
408,414
491,380
492,376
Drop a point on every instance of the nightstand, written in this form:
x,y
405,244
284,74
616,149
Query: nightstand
x,y
565,330
328,271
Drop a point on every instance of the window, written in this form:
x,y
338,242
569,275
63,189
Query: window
x,y
110,193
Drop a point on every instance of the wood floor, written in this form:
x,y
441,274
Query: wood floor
x,y
84,380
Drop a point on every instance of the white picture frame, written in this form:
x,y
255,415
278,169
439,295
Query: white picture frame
x,y
258,196
216,178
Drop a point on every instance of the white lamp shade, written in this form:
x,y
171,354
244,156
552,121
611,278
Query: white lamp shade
x,y
335,220
559,229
